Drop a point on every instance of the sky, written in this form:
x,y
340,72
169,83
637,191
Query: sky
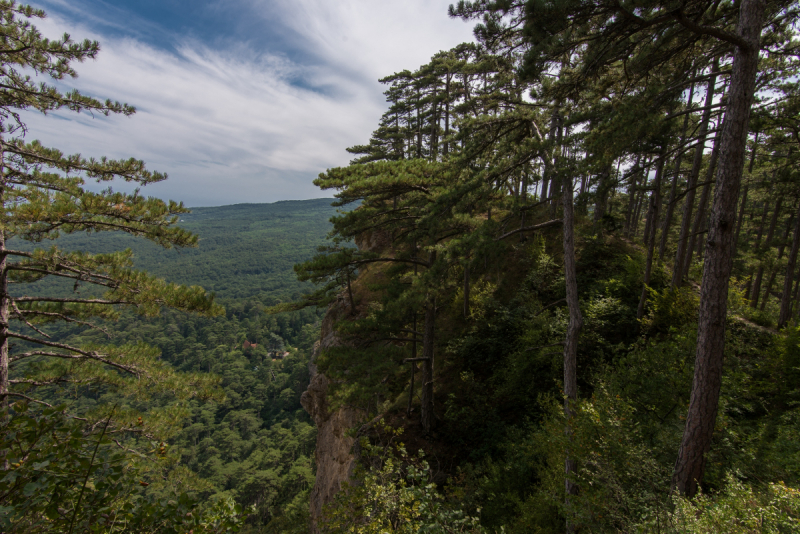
x,y
238,101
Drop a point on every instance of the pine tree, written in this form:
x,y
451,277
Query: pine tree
x,y
44,196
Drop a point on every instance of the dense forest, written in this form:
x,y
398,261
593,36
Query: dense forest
x,y
576,289
573,304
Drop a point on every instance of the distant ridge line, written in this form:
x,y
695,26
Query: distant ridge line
x,y
251,204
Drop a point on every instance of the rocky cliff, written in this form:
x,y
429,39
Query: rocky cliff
x,y
334,456
334,453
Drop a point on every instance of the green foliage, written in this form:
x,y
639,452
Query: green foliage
x,y
67,478
394,494
739,509
251,443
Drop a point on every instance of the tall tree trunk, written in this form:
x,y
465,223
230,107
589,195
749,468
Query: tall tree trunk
x,y
573,331
786,298
673,189
702,414
632,197
4,297
548,162
419,130
763,250
688,202
601,196
740,218
774,271
466,291
639,203
796,309
447,116
749,287
650,241
428,337
413,367
555,185
700,217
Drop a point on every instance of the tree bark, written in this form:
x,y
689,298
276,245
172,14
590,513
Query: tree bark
x,y
632,197
573,331
688,203
466,291
740,218
762,250
650,241
786,298
701,417
428,419
749,287
413,367
774,272
673,189
700,217
601,196
4,297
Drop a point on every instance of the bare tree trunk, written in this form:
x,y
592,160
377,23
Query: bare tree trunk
x,y
740,218
466,291
573,331
601,196
702,208
774,271
702,414
650,241
688,203
447,116
749,287
413,367
548,165
428,419
786,298
639,203
632,197
796,309
4,298
763,250
673,189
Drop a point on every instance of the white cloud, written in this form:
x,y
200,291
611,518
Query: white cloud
x,y
229,125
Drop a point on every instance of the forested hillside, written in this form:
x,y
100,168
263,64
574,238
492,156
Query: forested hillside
x,y
577,289
573,304
246,251
252,443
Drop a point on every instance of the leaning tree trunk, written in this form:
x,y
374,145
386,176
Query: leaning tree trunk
x,y
573,331
700,419
786,298
688,202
